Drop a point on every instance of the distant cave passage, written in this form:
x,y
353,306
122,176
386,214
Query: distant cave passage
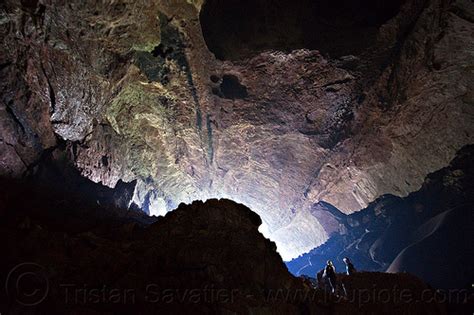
x,y
237,29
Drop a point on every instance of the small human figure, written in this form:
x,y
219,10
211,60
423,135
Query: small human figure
x,y
350,269
330,274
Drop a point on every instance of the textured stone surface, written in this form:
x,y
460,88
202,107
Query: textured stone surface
x,y
407,234
133,88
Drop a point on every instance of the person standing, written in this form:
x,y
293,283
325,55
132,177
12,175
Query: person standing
x,y
350,269
330,274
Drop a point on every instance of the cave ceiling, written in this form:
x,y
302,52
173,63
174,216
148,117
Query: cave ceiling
x,y
275,106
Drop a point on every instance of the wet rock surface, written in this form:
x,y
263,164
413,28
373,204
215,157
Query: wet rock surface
x,y
137,94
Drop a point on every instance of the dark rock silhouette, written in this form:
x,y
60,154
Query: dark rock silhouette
x,y
428,233
314,96
203,258
309,106
440,251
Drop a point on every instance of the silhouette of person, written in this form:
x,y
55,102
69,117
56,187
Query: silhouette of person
x,y
350,269
330,274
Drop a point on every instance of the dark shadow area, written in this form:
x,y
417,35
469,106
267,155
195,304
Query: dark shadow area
x,y
231,88
62,255
154,64
236,29
53,188
77,238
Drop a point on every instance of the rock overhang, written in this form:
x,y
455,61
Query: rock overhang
x,y
285,131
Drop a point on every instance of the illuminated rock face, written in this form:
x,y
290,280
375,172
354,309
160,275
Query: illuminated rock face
x,y
395,234
137,94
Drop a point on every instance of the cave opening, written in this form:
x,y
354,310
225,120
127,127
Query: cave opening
x,y
236,29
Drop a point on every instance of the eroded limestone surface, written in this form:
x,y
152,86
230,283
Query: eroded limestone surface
x,y
134,90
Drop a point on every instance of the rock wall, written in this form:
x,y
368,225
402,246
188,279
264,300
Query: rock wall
x,y
408,234
203,258
136,93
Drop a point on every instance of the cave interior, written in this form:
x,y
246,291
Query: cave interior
x,y
149,147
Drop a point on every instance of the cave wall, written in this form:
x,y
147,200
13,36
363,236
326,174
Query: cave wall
x,y
137,94
404,234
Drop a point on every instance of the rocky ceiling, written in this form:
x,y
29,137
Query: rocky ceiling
x,y
276,106
234,30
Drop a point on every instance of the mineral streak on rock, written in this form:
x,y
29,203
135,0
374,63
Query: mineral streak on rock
x,y
277,127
